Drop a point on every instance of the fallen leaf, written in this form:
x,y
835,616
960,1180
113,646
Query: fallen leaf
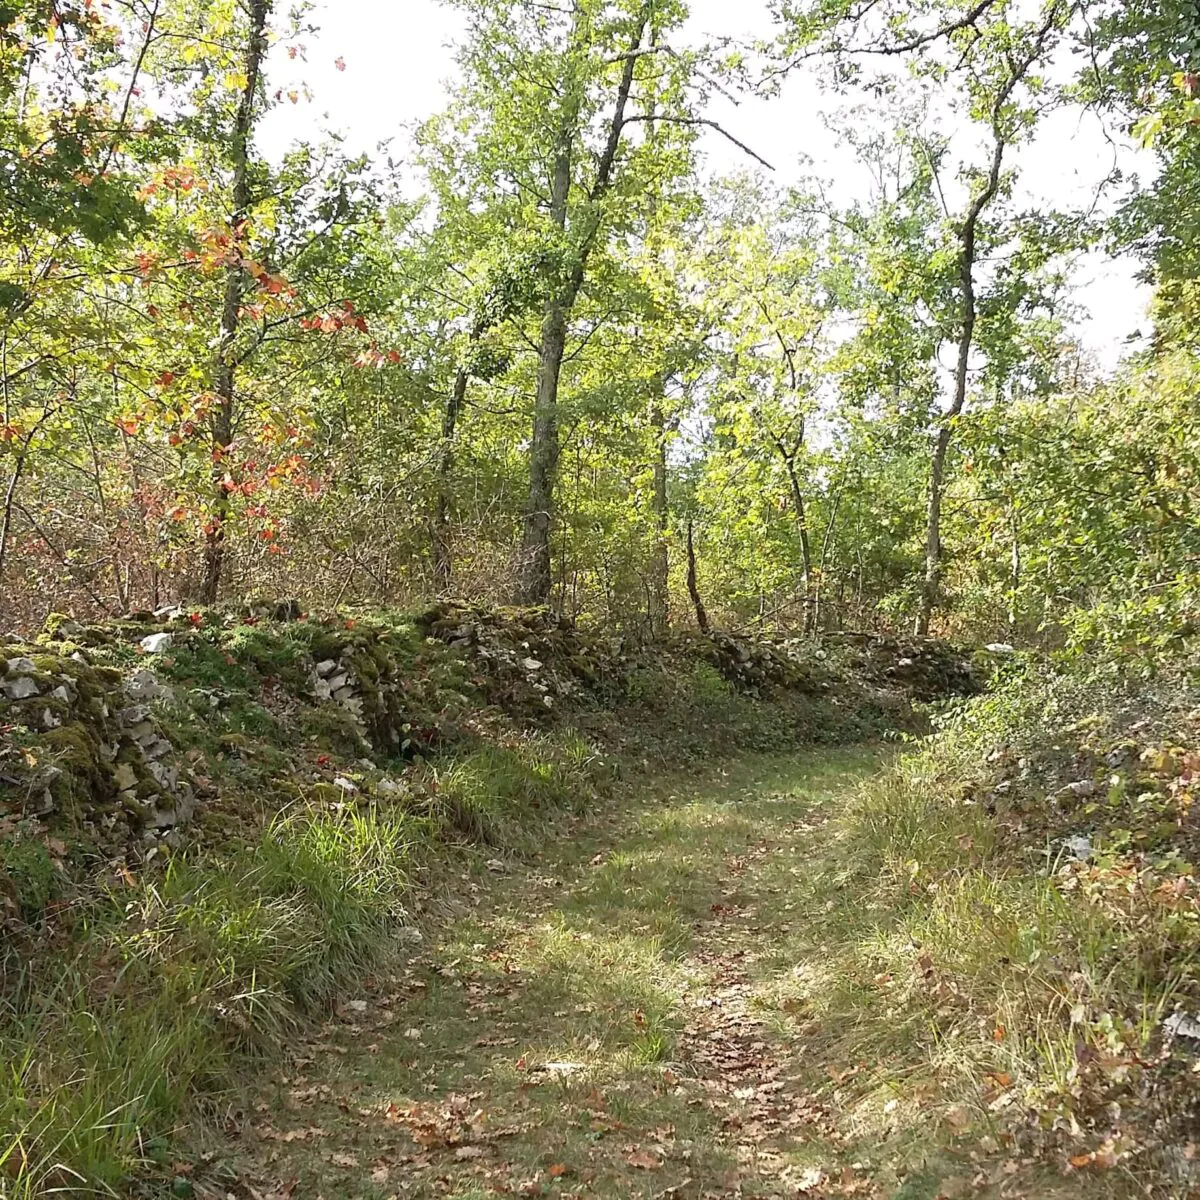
x,y
958,1118
810,1179
644,1160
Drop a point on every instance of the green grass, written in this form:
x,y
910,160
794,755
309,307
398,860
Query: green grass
x,y
153,1003
175,982
561,1003
801,967
503,794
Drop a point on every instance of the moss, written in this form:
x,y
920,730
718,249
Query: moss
x,y
199,662
127,752
30,874
327,646
249,718
76,748
270,651
330,728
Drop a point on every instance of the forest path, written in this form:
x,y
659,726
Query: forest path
x,y
617,1017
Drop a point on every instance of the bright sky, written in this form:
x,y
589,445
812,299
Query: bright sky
x,y
398,55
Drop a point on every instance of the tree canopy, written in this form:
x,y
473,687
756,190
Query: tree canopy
x,y
549,357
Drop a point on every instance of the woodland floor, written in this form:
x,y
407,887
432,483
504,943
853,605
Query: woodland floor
x,y
612,1017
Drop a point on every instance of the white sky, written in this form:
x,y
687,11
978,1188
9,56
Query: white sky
x,y
398,55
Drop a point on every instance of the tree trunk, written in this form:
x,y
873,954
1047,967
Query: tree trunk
x,y
443,565
14,482
967,240
806,559
692,584
10,497
660,562
535,576
225,372
931,586
826,547
1015,572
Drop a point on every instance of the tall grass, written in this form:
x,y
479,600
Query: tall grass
x,y
974,950
175,981
502,794
172,985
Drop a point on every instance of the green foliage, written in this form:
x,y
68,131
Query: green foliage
x,y
28,874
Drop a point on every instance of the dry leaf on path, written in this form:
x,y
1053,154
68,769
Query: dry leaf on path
x,y
644,1160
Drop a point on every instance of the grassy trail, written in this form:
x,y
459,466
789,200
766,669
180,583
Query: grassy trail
x,y
621,1015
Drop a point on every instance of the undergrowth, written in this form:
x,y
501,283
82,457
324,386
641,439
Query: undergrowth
x,y
173,982
1025,915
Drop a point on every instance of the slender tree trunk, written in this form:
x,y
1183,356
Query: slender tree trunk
x,y
967,240
10,498
826,547
660,562
443,565
806,558
931,586
14,482
535,575
692,584
1015,570
225,372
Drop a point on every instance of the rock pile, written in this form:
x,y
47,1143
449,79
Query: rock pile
x,y
334,679
86,741
924,668
96,752
528,660
755,665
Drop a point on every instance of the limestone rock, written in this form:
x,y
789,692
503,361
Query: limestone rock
x,y
21,688
143,686
158,643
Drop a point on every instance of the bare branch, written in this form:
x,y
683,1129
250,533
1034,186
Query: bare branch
x,y
708,124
